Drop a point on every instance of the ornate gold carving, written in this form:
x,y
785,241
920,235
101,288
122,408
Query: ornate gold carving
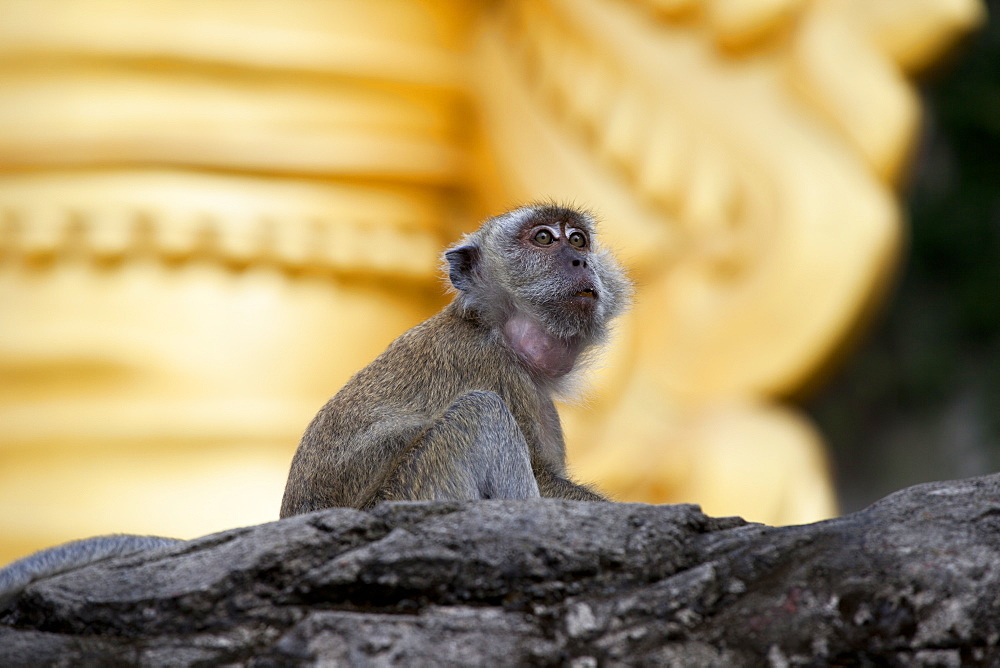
x,y
743,155
238,221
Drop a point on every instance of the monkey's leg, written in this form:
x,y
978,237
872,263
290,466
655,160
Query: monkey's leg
x,y
475,450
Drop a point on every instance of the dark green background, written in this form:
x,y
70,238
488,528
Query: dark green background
x,y
919,399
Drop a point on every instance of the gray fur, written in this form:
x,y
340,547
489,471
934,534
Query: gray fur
x,y
54,560
446,462
454,407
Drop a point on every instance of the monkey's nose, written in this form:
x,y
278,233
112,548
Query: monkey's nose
x,y
573,258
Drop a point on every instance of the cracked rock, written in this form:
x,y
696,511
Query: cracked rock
x,y
912,580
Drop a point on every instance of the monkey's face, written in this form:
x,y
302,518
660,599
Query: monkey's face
x,y
553,268
544,262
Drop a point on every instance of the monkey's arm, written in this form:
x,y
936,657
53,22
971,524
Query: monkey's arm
x,y
555,487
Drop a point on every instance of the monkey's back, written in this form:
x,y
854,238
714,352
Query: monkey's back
x,y
352,443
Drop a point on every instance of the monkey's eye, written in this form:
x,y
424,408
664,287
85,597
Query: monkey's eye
x,y
577,239
543,237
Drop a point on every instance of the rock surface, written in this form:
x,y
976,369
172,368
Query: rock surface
x,y
912,580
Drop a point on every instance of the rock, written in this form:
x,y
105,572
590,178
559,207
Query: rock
x,y
912,580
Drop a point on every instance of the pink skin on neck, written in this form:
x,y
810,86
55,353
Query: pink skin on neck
x,y
539,349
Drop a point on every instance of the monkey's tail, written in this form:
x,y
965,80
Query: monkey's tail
x,y
54,560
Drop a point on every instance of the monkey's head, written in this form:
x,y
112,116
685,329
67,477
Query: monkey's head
x,y
542,263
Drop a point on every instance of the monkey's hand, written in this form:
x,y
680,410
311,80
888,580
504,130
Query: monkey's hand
x,y
554,487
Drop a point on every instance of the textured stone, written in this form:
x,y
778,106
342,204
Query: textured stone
x,y
912,580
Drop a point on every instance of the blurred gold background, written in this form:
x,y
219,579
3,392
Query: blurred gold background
x,y
212,213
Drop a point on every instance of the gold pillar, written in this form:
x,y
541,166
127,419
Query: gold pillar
x,y
211,214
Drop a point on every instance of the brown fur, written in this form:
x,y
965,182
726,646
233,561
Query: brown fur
x,y
461,405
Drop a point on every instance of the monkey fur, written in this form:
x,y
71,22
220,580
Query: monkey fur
x,y
460,407
17,575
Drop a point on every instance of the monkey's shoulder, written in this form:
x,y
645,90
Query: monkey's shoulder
x,y
427,367
444,343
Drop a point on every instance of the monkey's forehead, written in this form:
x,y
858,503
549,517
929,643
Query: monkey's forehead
x,y
553,215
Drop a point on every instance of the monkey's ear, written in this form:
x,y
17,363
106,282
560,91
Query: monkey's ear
x,y
462,264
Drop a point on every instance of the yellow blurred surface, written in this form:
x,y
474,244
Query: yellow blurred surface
x,y
212,213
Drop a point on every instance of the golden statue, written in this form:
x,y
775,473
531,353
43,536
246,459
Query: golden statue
x,y
744,156
212,213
